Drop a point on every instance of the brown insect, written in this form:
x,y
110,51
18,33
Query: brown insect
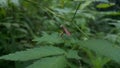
x,y
65,30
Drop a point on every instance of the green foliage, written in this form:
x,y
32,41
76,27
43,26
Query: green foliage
x,y
50,62
104,48
104,5
73,54
51,39
35,53
25,23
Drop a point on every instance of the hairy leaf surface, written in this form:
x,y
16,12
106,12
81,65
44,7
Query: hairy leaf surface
x,y
104,48
35,53
51,62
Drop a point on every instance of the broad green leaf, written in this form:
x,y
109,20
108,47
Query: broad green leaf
x,y
34,53
51,62
51,39
73,54
103,47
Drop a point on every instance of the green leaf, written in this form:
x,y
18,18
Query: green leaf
x,y
73,54
103,47
71,65
105,5
117,24
51,62
51,39
84,5
35,53
99,62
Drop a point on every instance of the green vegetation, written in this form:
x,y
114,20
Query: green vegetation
x,y
59,34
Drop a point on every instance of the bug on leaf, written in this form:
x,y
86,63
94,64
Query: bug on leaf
x,y
65,30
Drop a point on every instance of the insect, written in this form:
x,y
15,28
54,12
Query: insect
x,y
65,30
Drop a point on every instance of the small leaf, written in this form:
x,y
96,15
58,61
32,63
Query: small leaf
x,y
73,54
51,39
51,62
34,53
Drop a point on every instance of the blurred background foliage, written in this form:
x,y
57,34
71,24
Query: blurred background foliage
x,y
23,20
